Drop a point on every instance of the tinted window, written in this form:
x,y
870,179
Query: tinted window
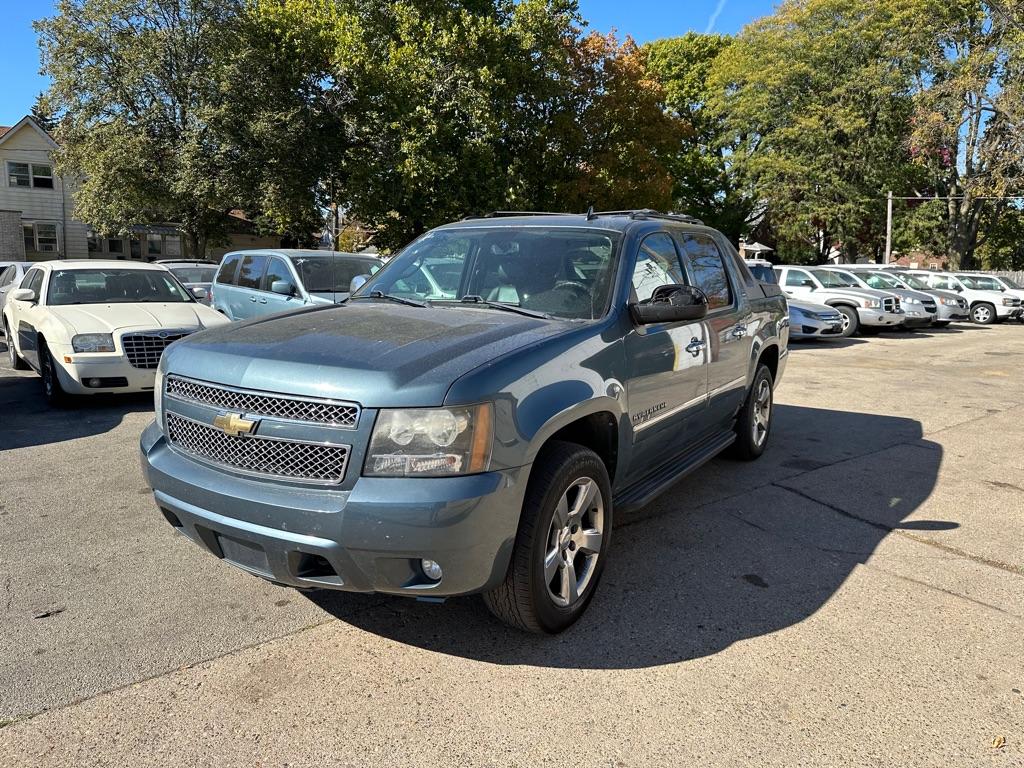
x,y
764,273
657,264
6,276
796,277
276,270
228,269
831,279
708,270
252,270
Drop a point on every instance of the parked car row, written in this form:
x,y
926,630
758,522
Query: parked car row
x,y
844,300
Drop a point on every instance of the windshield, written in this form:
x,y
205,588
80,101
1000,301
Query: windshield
x,y
881,281
912,282
1010,283
195,274
332,274
979,283
830,279
563,271
114,286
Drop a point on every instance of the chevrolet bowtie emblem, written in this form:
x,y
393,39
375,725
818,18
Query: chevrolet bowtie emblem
x,y
234,425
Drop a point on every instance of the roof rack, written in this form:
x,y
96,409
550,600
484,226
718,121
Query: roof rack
x,y
503,214
649,213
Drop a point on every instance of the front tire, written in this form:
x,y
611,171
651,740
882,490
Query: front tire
x,y
984,313
56,397
754,422
12,353
562,543
851,322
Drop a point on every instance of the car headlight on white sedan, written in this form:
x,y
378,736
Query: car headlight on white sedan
x,y
92,342
431,442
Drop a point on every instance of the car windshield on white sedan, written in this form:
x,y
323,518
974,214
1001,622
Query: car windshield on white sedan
x,y
561,271
114,286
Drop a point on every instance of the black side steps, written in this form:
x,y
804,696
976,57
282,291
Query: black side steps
x,y
644,491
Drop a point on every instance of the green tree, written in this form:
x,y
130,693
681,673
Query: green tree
x,y
706,180
179,111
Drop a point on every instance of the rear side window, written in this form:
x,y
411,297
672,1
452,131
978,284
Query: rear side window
x,y
228,269
276,270
33,279
6,276
252,271
708,269
657,264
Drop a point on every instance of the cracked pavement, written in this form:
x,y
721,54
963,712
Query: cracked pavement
x,y
855,598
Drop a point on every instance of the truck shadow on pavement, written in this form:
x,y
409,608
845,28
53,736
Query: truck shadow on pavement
x,y
734,551
27,420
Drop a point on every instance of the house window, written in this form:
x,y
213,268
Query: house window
x,y
172,246
115,245
95,244
154,243
42,176
29,233
18,175
40,237
136,246
29,175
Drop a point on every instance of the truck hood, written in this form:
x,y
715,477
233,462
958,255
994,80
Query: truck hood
x,y
110,318
378,354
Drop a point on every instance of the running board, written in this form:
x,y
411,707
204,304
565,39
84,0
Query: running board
x,y
664,477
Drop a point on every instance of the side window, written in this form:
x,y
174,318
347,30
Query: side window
x,y
709,273
226,274
26,281
252,270
276,270
6,276
657,264
796,277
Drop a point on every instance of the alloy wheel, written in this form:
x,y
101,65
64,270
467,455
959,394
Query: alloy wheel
x,y
762,412
574,542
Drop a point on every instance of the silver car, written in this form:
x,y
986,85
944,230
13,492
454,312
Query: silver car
x,y
950,306
11,274
919,309
196,276
808,320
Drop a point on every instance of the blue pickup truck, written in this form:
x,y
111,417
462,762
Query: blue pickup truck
x,y
475,415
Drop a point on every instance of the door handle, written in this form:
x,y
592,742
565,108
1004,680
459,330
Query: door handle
x,y
252,299
696,346
263,301
739,331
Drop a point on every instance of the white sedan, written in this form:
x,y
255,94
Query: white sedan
x,y
98,326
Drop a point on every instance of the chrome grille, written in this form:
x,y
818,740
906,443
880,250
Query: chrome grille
x,y
143,350
890,304
254,455
930,306
337,414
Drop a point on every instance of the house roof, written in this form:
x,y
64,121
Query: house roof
x,y
30,121
4,129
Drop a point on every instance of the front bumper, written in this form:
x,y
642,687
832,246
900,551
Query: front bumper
x,y
805,327
367,539
916,318
947,314
879,317
84,367
1008,313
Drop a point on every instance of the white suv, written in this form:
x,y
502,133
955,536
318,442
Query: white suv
x,y
988,282
987,306
864,309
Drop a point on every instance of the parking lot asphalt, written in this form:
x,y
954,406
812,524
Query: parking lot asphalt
x,y
854,598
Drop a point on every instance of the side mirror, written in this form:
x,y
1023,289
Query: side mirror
x,y
24,294
283,287
199,293
671,304
358,282
959,289
808,284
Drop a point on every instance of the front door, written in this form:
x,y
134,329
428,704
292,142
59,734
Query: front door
x,y
244,300
277,270
730,326
667,385
27,318
798,283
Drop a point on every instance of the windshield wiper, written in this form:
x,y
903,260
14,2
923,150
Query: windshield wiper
x,y
474,299
390,297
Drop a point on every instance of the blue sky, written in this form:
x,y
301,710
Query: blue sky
x,y
643,19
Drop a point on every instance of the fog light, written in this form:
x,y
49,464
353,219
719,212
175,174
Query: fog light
x,y
431,570
96,383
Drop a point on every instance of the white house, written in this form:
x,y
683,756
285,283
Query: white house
x,y
36,212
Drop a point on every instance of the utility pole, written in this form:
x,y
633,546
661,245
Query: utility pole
x,y
888,229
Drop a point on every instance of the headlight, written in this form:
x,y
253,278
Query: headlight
x,y
1009,302
798,314
431,442
949,302
158,397
871,303
909,300
92,342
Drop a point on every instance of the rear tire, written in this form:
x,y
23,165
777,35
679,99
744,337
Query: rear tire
x,y
851,322
984,313
562,543
754,422
12,353
56,397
